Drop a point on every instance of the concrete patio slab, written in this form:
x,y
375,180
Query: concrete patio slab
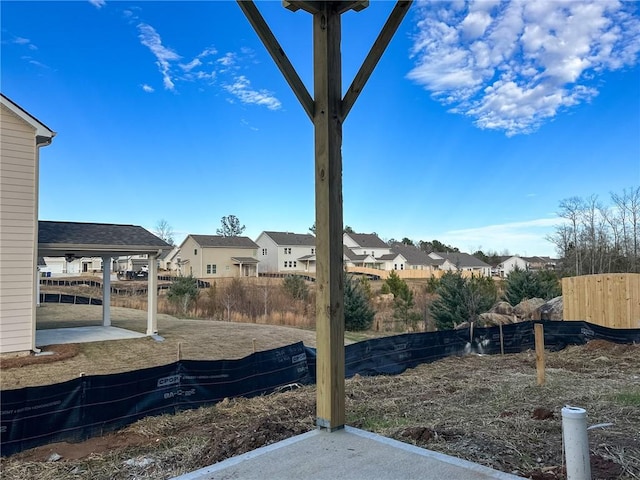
x,y
57,336
349,454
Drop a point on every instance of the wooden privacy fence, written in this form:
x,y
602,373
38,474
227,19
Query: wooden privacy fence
x,y
405,274
611,300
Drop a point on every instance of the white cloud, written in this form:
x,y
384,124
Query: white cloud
x,y
204,70
207,52
20,41
150,39
526,237
34,62
98,3
191,65
241,89
228,61
513,65
147,88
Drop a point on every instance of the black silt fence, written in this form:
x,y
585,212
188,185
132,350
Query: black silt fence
x,y
93,405
69,299
393,355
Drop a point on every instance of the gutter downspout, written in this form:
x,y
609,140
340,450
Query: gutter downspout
x,y
41,141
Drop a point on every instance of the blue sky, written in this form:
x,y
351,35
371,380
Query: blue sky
x,y
479,119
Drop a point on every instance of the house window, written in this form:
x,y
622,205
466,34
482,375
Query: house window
x,y
295,264
195,251
395,266
285,264
313,251
264,251
402,266
287,251
211,269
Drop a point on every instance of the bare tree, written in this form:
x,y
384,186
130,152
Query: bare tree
x,y
597,238
571,209
164,231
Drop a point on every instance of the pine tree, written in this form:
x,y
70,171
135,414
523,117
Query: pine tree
x,y
358,314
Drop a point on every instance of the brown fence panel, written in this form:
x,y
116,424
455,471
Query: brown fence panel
x,y
611,300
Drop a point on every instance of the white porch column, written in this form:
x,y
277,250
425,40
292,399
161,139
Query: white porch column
x,y
106,291
37,286
152,294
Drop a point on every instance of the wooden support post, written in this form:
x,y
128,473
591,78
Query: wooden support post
x,y
501,340
328,111
179,356
540,361
328,172
152,295
254,345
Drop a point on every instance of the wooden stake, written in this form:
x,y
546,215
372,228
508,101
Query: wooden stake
x,y
539,338
501,340
254,345
179,351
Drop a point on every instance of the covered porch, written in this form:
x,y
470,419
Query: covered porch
x,y
247,266
73,240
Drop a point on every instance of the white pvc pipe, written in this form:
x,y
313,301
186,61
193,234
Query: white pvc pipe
x,y
576,443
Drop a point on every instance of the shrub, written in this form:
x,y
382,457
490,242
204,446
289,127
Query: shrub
x,y
295,287
182,292
358,314
524,284
462,299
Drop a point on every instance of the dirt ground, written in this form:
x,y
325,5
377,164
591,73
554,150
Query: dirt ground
x,y
486,409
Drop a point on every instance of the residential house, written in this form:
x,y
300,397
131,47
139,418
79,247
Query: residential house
x,y
21,137
415,259
371,244
132,263
366,244
169,261
461,262
63,267
541,263
509,264
215,256
286,252
352,259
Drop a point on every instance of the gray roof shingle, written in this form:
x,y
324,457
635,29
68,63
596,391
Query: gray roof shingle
x,y
463,260
368,240
224,242
412,254
97,234
292,239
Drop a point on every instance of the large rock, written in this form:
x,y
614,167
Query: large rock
x,y
502,308
525,308
491,319
551,310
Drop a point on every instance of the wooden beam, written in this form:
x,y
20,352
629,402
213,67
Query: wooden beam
x,y
277,53
295,5
328,173
379,46
356,6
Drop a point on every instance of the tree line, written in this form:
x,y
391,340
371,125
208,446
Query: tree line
x,y
597,237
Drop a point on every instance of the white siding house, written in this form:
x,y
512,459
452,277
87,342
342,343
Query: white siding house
x,y
366,244
461,262
21,137
509,264
286,252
